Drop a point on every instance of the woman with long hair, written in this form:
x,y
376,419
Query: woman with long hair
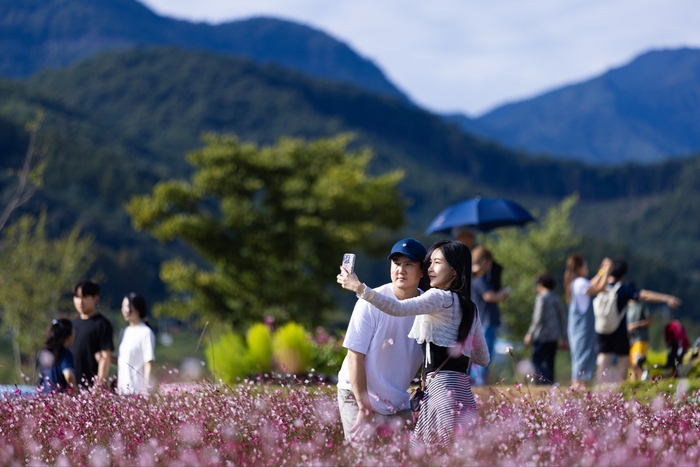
x,y
579,292
56,366
136,347
449,330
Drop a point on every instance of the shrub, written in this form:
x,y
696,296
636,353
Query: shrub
x,y
227,357
292,349
329,352
259,340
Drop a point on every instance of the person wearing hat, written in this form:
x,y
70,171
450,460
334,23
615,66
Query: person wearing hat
x,y
381,360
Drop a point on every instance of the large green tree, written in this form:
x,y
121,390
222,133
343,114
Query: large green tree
x,y
270,224
36,272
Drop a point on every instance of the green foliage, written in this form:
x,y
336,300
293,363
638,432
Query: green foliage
x,y
292,349
35,274
259,340
646,391
270,222
527,253
329,352
226,358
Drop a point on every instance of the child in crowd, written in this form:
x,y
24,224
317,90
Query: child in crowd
x,y
638,322
56,366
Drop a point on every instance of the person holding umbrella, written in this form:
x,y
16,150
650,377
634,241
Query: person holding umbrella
x,y
486,299
465,218
467,235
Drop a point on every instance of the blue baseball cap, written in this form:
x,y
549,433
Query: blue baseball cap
x,y
410,248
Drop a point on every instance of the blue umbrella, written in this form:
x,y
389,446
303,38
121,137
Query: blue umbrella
x,y
481,214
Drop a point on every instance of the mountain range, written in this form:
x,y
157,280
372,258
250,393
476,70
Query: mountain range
x,y
645,111
39,34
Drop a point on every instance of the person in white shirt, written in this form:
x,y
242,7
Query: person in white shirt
x,y
579,292
381,360
136,348
448,328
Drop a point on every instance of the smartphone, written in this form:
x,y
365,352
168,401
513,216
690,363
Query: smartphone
x,y
349,262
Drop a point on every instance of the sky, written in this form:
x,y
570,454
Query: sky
x,y
471,56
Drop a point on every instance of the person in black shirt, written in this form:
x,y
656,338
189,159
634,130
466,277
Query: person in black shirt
x,y
617,343
94,335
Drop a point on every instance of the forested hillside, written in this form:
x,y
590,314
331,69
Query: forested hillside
x,y
642,112
164,99
39,34
121,121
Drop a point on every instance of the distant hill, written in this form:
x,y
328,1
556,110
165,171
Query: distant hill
x,y
645,111
40,34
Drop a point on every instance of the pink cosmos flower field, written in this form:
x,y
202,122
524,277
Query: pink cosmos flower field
x,y
259,425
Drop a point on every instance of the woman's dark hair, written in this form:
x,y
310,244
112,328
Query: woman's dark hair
x,y
547,281
619,268
138,303
57,335
460,258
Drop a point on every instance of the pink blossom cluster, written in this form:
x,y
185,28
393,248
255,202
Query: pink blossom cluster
x,y
251,425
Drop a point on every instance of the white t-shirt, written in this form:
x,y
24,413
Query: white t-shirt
x,y
579,291
137,347
391,357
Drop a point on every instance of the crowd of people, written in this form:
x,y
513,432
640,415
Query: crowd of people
x,y
606,315
78,354
451,329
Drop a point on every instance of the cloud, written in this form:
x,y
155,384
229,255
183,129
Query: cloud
x,y
471,55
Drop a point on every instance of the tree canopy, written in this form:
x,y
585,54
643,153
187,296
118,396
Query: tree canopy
x,y
270,225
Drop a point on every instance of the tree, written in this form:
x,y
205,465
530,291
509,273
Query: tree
x,y
270,224
29,176
527,253
35,273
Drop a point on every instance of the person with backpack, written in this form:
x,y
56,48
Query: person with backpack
x,y
610,309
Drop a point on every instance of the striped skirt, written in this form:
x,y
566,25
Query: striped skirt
x,y
448,409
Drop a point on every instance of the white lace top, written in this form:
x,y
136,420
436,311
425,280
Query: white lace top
x,y
438,315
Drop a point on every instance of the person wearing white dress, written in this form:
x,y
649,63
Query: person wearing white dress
x,y
136,348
